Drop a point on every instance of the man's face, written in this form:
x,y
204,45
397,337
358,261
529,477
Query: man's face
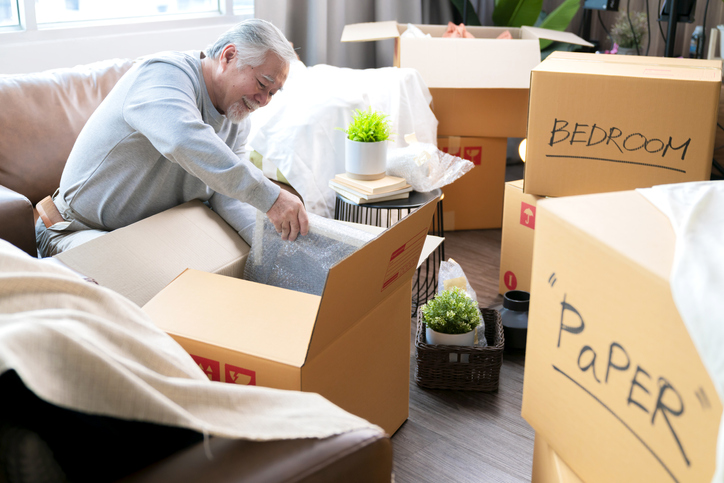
x,y
242,91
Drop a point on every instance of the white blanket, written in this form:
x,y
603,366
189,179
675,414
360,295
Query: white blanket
x,y
297,131
696,212
81,346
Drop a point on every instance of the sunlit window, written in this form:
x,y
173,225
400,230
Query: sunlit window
x,y
244,7
52,11
9,13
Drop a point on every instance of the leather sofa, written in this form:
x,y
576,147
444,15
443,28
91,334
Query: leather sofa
x,y
41,115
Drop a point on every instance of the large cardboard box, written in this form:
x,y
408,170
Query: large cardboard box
x,y
139,260
613,381
548,467
600,123
475,201
479,86
516,246
351,345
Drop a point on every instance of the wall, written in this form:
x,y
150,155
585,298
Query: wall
x,y
714,17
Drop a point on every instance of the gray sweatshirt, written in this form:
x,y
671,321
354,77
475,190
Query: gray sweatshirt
x,y
157,141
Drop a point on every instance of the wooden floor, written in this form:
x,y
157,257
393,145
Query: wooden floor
x,y
468,436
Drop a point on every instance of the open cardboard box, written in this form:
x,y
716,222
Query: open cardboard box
x,y
601,123
351,345
139,260
479,86
613,381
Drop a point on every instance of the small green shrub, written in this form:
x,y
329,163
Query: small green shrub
x,y
368,126
451,312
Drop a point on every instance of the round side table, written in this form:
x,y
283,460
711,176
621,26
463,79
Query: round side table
x,y
387,213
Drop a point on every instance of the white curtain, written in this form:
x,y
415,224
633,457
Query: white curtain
x,y
315,26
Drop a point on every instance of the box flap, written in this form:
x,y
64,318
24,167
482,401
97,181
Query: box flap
x,y
363,32
256,319
644,235
471,63
364,279
139,260
528,32
431,241
632,66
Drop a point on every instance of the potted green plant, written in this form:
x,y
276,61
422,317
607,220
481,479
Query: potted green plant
x,y
628,35
451,318
366,145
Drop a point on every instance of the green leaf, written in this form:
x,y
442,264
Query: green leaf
x,y
516,13
559,19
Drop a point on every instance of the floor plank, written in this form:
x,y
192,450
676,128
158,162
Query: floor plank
x,y
468,436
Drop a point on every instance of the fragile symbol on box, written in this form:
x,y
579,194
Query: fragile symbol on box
x,y
510,280
239,375
473,153
527,215
403,259
211,368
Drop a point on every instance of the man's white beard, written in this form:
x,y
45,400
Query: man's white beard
x,y
238,111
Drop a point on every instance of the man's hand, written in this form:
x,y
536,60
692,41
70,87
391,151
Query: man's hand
x,y
289,216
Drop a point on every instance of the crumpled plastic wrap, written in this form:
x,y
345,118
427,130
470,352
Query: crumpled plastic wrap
x,y
425,167
451,275
301,265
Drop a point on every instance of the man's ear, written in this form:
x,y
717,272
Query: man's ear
x,y
228,54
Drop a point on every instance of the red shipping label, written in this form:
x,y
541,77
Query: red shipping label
x,y
211,368
239,375
527,215
474,154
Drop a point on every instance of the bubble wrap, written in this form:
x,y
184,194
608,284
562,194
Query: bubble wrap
x,y
425,167
303,264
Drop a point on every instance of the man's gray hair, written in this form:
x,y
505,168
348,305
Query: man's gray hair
x,y
254,38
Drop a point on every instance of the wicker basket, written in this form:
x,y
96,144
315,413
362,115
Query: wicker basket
x,y
482,371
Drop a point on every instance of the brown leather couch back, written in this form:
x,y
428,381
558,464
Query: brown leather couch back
x,y
41,116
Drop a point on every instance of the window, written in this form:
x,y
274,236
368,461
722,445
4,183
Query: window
x,y
9,13
53,11
73,32
244,7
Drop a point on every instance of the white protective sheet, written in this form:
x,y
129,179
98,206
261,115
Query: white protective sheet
x,y
116,363
297,130
696,212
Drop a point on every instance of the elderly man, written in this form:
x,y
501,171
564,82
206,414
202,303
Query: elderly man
x,y
174,129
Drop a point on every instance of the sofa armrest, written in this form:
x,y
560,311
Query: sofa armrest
x,y
363,455
17,221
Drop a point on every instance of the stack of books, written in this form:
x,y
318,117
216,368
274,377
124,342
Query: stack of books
x,y
361,192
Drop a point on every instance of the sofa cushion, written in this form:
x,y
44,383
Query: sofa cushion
x,y
41,117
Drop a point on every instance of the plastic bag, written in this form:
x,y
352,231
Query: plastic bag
x,y
451,275
303,264
424,166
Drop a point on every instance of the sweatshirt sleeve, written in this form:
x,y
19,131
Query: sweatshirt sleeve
x,y
162,106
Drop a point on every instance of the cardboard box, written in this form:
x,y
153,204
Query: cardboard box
x,y
479,86
548,467
613,381
351,345
601,123
475,201
139,260
516,247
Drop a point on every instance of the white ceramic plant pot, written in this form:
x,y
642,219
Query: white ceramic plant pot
x,y
438,338
365,161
